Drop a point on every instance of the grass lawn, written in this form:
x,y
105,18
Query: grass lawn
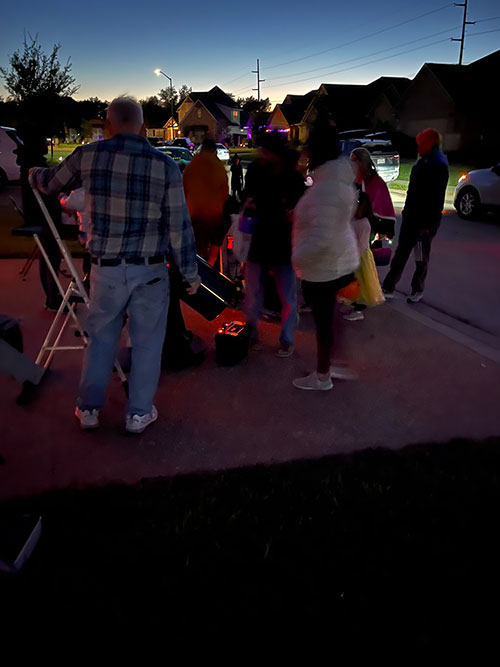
x,y
246,153
375,547
456,170
60,152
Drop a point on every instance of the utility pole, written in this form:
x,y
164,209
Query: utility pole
x,y
465,23
259,80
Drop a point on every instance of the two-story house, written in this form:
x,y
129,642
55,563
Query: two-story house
x,y
211,114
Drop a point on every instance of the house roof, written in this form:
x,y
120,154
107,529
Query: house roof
x,y
467,84
347,103
451,77
293,113
299,99
393,87
294,107
215,95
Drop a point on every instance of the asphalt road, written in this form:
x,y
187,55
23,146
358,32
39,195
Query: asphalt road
x,y
464,271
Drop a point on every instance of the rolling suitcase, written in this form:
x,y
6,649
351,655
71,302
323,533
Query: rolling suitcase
x,y
216,292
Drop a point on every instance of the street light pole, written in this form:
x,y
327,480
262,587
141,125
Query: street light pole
x,y
158,72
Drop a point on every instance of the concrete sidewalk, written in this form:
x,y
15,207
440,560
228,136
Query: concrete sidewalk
x,y
398,196
416,385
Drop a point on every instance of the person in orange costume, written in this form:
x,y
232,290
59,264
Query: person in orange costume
x,y
206,189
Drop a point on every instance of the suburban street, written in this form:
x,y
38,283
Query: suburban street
x,y
464,272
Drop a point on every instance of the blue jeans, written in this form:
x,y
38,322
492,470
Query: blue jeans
x,y
286,285
143,291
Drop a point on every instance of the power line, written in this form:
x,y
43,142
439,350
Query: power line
x,y
472,34
484,32
354,41
492,18
395,55
368,55
247,73
237,78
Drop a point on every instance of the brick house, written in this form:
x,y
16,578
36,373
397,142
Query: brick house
x,y
287,117
211,114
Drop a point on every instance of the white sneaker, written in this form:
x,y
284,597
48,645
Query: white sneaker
x,y
415,298
312,382
354,316
342,373
388,295
285,351
88,419
139,423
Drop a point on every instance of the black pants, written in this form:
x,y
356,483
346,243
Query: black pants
x,y
322,297
408,238
52,296
236,190
178,351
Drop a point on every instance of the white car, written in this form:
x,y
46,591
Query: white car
x,y
478,191
385,157
222,152
9,169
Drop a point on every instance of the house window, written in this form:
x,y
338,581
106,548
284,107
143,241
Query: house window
x,y
235,114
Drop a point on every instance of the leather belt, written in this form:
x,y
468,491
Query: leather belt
x,y
133,260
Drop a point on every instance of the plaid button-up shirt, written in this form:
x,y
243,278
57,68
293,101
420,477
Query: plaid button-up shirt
x,y
134,199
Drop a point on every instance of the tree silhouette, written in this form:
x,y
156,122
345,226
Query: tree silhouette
x,y
32,73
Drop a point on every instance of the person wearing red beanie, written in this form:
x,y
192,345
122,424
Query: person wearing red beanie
x,y
426,141
421,214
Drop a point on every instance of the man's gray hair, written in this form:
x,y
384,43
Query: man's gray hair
x,y
126,113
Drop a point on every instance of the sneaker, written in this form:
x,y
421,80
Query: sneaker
x,y
388,295
415,297
304,308
271,315
88,419
285,351
139,423
354,316
342,373
312,382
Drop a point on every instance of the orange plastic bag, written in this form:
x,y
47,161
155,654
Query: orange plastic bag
x,y
350,292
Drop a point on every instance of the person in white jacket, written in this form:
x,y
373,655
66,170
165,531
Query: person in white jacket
x,y
324,248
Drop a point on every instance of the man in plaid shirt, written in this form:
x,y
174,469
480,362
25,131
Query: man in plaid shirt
x,y
135,202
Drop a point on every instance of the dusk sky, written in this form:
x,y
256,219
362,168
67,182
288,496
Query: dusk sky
x,y
115,47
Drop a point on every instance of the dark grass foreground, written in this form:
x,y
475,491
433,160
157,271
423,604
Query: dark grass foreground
x,y
380,545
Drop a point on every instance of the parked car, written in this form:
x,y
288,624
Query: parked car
x,y
184,142
384,155
181,155
478,191
9,169
222,152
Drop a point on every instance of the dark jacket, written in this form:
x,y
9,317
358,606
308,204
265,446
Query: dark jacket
x,y
275,194
28,157
236,176
426,192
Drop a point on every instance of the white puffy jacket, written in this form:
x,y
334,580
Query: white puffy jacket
x,y
323,243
